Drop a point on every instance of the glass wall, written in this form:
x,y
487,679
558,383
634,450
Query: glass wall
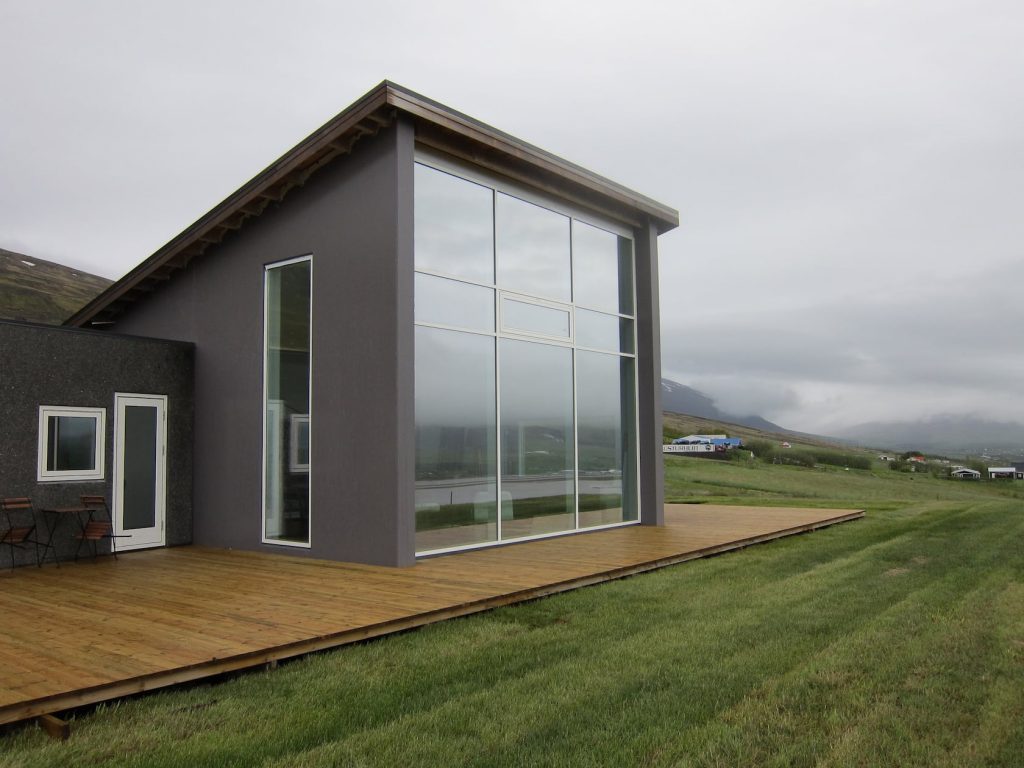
x,y
286,415
525,367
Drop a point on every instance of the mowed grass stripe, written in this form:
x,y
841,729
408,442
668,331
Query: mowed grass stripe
x,y
895,640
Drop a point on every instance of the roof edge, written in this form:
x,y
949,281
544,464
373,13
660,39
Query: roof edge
x,y
366,116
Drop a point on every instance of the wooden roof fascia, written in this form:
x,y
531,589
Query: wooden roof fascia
x,y
254,195
444,141
418,106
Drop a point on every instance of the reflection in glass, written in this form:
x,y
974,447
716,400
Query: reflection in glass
x,y
602,269
298,441
450,302
532,249
534,318
139,475
456,487
537,441
597,330
71,443
286,366
606,412
454,226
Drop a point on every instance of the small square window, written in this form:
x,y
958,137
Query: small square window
x,y
71,442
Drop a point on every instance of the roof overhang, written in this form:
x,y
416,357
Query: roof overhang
x,y
436,126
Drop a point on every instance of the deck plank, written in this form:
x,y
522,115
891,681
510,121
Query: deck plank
x,y
93,631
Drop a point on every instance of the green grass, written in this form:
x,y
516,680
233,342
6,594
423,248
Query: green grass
x,y
894,640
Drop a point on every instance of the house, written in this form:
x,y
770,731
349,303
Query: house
x,y
410,334
963,473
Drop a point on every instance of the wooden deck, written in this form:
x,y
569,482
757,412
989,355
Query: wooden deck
x,y
90,632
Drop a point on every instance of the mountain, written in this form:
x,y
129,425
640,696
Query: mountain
x,y
948,435
679,398
41,291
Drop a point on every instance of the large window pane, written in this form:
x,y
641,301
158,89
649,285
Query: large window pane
x,y
454,226
286,365
532,249
139,482
450,302
597,330
602,265
456,488
537,443
606,409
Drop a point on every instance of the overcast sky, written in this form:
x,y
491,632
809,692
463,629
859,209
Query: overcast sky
x,y
849,174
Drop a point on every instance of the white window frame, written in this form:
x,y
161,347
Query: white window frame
x,y
99,415
522,298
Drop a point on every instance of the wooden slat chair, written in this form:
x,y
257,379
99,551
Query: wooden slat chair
x,y
19,523
96,528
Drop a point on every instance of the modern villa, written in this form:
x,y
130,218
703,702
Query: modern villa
x,y
411,334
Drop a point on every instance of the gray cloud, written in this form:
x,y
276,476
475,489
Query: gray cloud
x,y
848,173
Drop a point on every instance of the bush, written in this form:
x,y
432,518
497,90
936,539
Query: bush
x,y
840,459
760,448
794,456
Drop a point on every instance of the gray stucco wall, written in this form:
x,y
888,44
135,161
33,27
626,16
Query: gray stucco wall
x,y
45,365
355,217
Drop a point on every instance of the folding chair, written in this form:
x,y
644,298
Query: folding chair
x,y
95,529
19,525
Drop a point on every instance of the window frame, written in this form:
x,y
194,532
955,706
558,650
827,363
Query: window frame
x,y
98,472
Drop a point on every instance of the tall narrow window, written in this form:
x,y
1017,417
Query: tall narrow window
x,y
286,406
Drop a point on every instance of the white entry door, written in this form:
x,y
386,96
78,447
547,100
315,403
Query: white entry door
x,y
140,470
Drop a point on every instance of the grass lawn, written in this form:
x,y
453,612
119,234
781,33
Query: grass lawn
x,y
895,640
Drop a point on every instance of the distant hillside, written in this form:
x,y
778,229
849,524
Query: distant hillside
x,y
679,398
41,291
677,425
945,435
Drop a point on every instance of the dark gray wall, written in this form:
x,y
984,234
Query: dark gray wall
x,y
45,365
355,217
648,318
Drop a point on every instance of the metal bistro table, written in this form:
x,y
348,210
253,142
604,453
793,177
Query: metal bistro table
x,y
53,518
87,526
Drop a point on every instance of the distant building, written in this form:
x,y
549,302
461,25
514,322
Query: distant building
x,y
963,473
728,442
701,448
1004,473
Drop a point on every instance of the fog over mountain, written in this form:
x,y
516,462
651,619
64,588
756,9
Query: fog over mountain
x,y
949,435
848,174
679,398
